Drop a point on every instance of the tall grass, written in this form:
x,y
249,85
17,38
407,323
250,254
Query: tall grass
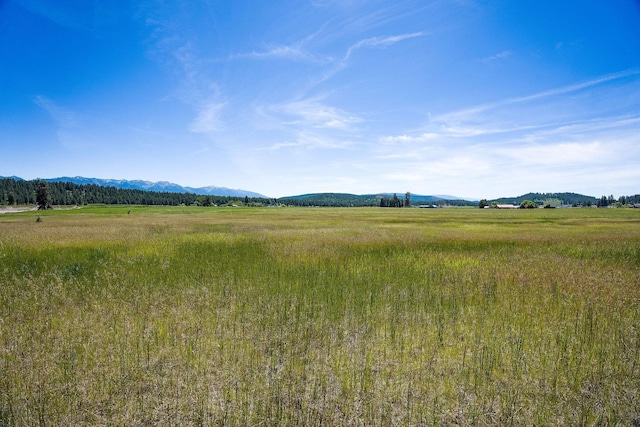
x,y
320,317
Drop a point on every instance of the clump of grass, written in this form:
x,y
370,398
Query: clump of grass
x,y
316,317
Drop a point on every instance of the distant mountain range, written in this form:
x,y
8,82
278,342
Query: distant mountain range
x,y
150,186
161,186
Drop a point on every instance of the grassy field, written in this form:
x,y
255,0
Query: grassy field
x,y
223,316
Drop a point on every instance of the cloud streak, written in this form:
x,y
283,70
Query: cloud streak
x,y
293,53
64,118
379,42
315,114
500,55
471,111
70,132
208,118
372,42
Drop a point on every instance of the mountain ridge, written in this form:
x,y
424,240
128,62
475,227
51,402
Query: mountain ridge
x,y
159,186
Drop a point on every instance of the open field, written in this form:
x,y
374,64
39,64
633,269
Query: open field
x,y
222,316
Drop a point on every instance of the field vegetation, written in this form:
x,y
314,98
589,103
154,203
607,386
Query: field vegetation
x,y
319,316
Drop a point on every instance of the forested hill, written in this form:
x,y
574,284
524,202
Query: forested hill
x,y
15,191
346,200
554,198
331,199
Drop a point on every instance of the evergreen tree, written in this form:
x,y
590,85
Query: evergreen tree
x,y
603,202
43,197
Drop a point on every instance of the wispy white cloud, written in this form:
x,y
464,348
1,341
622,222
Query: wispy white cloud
x,y
314,113
64,117
470,112
408,139
499,55
574,129
178,47
203,149
297,51
444,132
294,53
578,128
576,87
208,118
353,17
304,124
281,145
380,42
71,132
372,42
309,140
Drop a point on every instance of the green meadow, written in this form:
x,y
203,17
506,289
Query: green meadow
x,y
140,316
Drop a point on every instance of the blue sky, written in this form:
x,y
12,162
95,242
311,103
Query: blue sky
x,y
474,98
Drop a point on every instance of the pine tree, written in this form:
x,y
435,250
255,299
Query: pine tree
x,y
43,197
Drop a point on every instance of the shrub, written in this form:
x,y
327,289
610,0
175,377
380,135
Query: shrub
x,y
528,204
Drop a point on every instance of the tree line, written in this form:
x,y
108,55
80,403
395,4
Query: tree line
x,y
577,201
572,199
381,200
395,201
606,201
330,200
20,192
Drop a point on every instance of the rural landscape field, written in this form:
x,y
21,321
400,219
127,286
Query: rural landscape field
x,y
144,316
